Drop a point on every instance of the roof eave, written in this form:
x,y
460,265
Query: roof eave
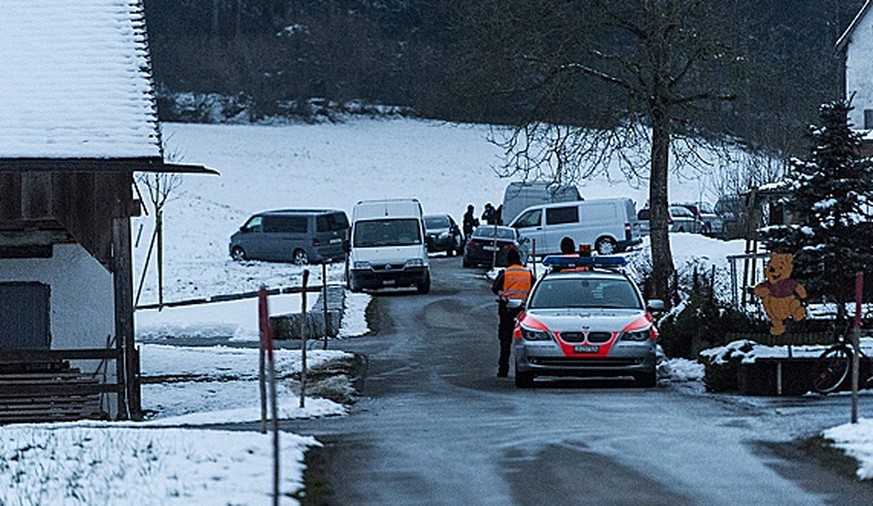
x,y
153,164
844,38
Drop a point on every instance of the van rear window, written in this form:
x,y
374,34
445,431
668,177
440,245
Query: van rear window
x,y
334,222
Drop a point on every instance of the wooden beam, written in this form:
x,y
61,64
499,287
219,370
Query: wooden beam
x,y
122,267
34,237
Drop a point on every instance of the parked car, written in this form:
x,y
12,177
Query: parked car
x,y
733,210
679,219
609,225
443,234
490,241
710,222
591,322
292,235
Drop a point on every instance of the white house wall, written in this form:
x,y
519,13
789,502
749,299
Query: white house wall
x,y
859,69
82,303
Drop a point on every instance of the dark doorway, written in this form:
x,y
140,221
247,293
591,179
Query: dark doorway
x,y
24,316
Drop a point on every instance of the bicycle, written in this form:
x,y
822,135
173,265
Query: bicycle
x,y
833,366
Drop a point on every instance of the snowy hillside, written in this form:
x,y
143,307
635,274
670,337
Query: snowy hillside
x,y
446,166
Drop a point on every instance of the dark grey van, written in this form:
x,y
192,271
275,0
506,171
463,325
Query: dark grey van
x,y
301,236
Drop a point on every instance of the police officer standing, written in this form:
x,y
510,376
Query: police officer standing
x,y
514,282
470,222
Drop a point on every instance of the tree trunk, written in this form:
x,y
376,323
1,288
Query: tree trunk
x,y
662,257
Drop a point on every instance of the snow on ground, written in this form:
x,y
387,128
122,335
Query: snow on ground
x,y
105,463
857,441
262,167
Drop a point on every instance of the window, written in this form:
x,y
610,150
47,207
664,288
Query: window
x,y
585,293
559,215
494,232
868,119
285,224
529,219
391,232
253,225
436,222
334,222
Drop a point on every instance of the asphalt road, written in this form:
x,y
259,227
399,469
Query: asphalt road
x,y
436,426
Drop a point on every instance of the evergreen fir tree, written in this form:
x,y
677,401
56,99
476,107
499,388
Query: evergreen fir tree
x,y
831,198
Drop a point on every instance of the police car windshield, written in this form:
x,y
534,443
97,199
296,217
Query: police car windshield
x,y
587,292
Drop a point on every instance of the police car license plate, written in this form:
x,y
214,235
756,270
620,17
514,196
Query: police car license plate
x,y
490,248
586,348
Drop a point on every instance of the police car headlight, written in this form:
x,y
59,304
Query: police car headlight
x,y
529,334
637,335
414,262
361,264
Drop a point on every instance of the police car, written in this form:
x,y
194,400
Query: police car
x,y
586,317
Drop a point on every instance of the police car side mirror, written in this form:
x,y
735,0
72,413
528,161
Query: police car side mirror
x,y
655,305
514,303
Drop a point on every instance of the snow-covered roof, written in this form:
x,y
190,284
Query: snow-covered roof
x,y
75,81
844,38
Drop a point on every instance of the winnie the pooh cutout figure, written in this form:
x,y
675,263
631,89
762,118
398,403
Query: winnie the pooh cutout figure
x,y
780,294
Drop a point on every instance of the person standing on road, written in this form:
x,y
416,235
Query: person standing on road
x,y
514,282
489,215
470,222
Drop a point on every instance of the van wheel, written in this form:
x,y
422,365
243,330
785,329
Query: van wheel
x,y
424,286
606,246
300,257
238,254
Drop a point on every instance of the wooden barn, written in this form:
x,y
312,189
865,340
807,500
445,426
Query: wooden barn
x,y
78,119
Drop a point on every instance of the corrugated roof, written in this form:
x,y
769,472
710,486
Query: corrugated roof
x,y
75,80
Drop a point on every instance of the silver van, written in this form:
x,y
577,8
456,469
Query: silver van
x,y
301,236
520,195
609,225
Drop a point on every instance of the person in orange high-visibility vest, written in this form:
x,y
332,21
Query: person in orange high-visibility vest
x,y
514,282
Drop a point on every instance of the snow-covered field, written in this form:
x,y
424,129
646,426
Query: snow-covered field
x,y
262,167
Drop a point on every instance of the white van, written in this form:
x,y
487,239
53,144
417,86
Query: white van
x,y
519,195
610,225
388,247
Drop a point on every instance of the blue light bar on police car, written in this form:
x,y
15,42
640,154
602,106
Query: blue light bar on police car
x,y
577,261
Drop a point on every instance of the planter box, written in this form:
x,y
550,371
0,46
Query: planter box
x,y
289,326
776,376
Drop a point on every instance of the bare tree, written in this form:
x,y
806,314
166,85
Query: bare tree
x,y
654,65
159,189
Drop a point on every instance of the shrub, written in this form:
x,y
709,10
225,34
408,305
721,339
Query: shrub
x,y
702,322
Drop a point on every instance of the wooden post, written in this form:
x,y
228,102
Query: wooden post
x,y
263,318
533,255
327,328
856,343
159,229
303,340
123,288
